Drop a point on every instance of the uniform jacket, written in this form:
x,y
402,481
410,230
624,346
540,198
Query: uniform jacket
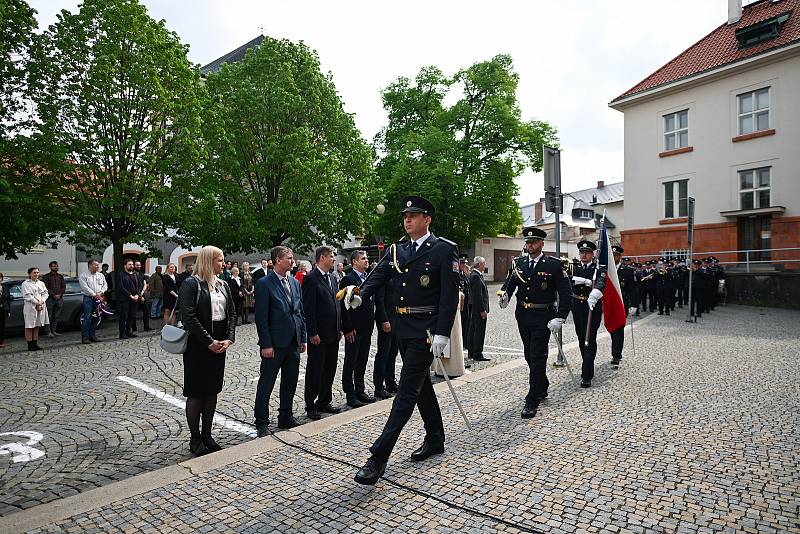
x,y
361,319
629,285
279,321
428,278
322,312
539,284
478,293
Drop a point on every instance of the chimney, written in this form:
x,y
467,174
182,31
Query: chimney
x,y
734,11
537,210
600,184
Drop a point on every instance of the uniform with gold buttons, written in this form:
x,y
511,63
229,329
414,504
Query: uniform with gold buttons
x,y
537,281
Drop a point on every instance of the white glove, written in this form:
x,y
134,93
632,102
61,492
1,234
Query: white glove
x,y
504,300
594,296
580,281
631,311
352,299
438,345
555,324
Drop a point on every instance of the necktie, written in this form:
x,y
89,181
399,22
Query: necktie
x,y
328,281
413,247
287,289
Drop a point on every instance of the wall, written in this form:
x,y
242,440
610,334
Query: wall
x,y
64,254
775,290
712,165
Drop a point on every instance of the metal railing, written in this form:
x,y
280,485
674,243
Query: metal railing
x,y
750,256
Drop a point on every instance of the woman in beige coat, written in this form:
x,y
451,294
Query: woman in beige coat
x,y
34,311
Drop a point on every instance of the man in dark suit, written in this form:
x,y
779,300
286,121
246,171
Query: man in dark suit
x,y
357,325
281,337
479,309
324,327
424,278
129,294
261,272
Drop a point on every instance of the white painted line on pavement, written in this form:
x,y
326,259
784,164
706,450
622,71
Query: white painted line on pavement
x,y
221,420
503,348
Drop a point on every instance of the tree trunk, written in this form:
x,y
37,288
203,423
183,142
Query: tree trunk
x,y
118,264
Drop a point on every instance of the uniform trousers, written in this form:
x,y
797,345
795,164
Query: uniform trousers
x,y
383,375
466,321
356,356
682,295
287,361
580,314
535,338
618,340
663,298
415,389
698,302
320,373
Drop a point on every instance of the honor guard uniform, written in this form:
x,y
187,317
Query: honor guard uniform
x,y
537,280
698,292
587,290
423,274
630,297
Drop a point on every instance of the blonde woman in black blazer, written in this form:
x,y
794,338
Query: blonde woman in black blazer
x,y
209,316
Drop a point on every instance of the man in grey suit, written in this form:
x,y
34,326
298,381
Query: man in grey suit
x,y
281,338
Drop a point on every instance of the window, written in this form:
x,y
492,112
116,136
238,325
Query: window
x,y
676,130
761,31
753,111
676,203
586,214
754,188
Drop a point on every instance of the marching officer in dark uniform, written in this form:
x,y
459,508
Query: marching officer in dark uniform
x,y
630,298
586,292
423,274
537,279
466,310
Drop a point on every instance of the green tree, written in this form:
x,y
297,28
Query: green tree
x,y
117,117
286,163
462,157
18,199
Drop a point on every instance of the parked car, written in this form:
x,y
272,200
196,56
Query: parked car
x,y
71,312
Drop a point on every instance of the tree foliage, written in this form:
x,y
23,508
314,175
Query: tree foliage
x,y
462,156
117,118
285,163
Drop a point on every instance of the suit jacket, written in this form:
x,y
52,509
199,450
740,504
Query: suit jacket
x,y
322,312
5,298
258,274
427,278
279,321
362,318
126,288
478,293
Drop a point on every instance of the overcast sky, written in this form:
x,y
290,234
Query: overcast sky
x,y
572,56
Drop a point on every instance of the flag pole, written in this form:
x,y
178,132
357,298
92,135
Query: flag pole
x,y
594,280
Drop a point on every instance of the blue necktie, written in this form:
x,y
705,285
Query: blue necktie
x,y
413,247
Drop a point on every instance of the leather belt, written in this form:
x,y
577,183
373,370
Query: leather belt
x,y
415,310
535,306
579,297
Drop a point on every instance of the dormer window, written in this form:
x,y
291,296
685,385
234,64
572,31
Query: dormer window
x,y
760,32
585,214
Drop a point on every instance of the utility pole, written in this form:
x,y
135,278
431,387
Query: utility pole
x,y
551,163
690,238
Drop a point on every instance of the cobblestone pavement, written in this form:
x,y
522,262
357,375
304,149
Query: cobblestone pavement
x,y
696,433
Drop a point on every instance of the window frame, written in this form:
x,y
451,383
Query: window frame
x,y
755,188
675,199
676,132
754,112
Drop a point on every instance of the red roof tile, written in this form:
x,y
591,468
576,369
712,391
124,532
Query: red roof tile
x,y
721,48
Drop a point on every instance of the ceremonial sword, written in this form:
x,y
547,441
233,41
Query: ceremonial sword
x,y
449,384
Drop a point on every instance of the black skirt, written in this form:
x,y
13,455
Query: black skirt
x,y
203,370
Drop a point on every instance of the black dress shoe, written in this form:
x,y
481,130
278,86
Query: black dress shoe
x,y
585,383
197,447
329,409
85,340
426,451
262,430
615,361
371,472
391,388
353,402
210,444
467,365
285,424
381,393
94,339
542,397
363,397
481,358
131,334
314,415
529,410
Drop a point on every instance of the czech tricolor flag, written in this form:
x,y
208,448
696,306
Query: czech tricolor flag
x,y
613,306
